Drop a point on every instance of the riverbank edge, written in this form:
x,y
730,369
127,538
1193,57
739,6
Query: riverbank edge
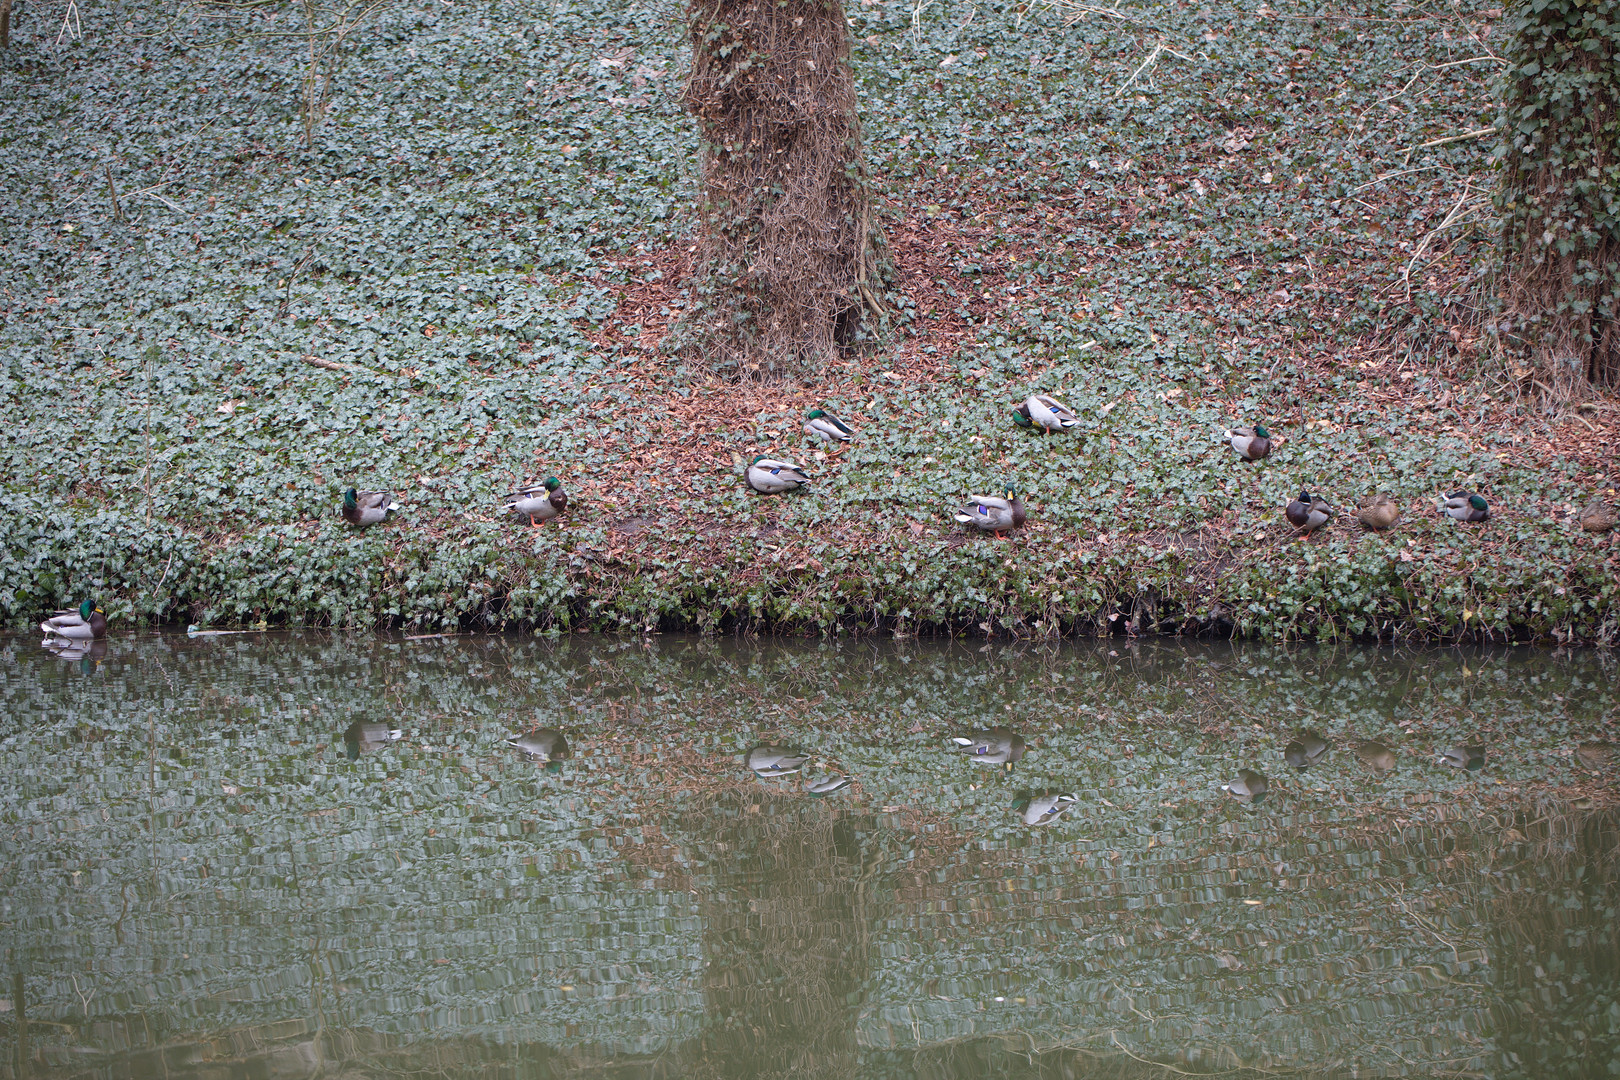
x,y
491,575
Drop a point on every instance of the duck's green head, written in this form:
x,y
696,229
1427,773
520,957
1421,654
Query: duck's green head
x,y
1021,418
1304,496
1477,502
1261,432
1010,492
552,483
815,414
86,609
351,499
553,767
757,460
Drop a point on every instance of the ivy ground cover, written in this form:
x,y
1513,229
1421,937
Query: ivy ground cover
x,y
1176,217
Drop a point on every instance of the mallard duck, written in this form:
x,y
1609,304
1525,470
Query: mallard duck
x,y
1377,511
1251,443
824,426
548,745
362,508
992,513
998,746
1466,506
364,736
1045,808
822,786
1376,756
769,762
1308,512
1305,750
1462,756
1048,413
539,502
1021,418
770,476
1594,755
1598,515
1247,787
85,624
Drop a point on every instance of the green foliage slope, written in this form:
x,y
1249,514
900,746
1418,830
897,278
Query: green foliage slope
x,y
1176,239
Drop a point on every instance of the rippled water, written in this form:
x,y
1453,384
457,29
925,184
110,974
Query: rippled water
x,y
216,862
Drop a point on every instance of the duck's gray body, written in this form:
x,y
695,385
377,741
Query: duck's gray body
x,y
76,625
998,746
823,425
1466,506
1248,786
1251,443
1050,414
827,785
1305,750
992,513
769,762
1308,512
1045,809
1462,756
538,502
772,476
364,736
369,508
546,744
1376,756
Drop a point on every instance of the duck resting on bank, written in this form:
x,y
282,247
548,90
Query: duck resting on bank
x,y
362,508
88,623
992,513
539,502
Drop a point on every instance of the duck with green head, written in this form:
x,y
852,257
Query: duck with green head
x,y
1251,443
1308,512
1466,506
85,624
362,508
991,513
538,502
823,426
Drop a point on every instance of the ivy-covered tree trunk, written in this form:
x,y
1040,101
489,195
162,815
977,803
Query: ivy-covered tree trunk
x,y
1560,192
791,266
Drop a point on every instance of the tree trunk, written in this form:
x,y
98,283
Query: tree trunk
x,y
790,267
1560,193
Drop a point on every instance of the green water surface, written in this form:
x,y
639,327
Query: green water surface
x,y
200,877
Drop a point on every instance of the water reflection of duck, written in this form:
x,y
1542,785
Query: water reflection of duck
x,y
1247,787
1462,756
1045,808
770,762
87,653
998,746
821,786
1305,750
364,736
549,745
1376,756
1594,755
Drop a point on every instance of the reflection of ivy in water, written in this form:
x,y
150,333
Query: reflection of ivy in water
x,y
443,884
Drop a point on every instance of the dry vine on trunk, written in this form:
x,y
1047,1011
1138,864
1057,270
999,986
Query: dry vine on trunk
x,y
1560,197
791,267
